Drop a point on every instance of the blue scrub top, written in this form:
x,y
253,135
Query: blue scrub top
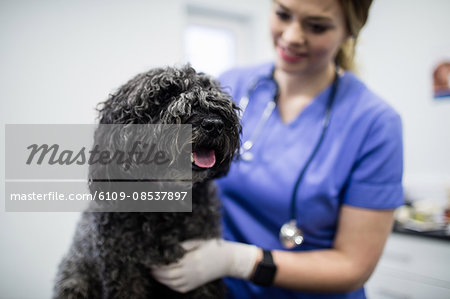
x,y
359,163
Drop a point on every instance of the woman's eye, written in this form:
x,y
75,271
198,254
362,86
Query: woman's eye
x,y
318,28
282,15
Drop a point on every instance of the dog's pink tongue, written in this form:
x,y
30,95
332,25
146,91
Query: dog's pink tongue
x,y
204,158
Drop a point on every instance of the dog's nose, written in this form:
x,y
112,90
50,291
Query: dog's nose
x,y
212,126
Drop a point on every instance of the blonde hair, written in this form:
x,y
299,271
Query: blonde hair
x,y
356,13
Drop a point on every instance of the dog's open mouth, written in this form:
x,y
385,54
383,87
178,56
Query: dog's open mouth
x,y
203,158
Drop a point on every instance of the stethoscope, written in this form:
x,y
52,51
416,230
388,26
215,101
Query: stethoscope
x,y
290,234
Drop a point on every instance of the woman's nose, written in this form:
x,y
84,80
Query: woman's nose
x,y
294,34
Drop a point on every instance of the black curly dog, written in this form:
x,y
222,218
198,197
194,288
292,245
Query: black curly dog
x,y
112,253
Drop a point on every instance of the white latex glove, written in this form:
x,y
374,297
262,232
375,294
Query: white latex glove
x,y
205,261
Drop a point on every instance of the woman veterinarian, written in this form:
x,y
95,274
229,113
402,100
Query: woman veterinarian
x,y
308,206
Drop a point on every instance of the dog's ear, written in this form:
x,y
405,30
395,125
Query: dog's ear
x,y
127,105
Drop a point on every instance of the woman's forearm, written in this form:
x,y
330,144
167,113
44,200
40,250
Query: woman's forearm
x,y
358,245
318,271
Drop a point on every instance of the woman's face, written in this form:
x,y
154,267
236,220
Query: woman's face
x,y
307,34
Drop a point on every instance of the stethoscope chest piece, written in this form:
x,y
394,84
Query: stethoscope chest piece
x,y
290,235
245,154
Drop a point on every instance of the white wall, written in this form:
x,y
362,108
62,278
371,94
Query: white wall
x,y
58,59
403,41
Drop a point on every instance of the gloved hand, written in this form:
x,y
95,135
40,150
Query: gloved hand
x,y
205,261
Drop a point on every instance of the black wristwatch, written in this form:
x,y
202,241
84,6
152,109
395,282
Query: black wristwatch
x,y
265,270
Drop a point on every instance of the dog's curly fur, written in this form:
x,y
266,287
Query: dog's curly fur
x,y
112,253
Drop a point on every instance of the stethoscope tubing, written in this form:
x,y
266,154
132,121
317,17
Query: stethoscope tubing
x,y
269,108
325,125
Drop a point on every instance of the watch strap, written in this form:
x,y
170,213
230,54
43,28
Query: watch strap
x,y
265,270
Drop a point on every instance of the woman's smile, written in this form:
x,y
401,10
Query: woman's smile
x,y
290,55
